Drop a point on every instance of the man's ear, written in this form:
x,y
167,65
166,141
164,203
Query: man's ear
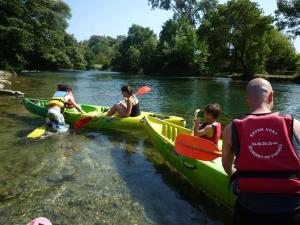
x,y
270,97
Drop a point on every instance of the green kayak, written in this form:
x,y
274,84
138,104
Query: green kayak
x,y
208,176
39,107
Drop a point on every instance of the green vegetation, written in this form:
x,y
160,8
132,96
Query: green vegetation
x,y
203,37
32,36
287,15
136,51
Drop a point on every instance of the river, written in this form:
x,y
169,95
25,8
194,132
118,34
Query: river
x,y
105,176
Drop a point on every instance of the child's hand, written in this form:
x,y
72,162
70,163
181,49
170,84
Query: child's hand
x,y
196,122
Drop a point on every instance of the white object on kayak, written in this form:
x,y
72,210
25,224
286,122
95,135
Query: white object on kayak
x,y
40,221
60,128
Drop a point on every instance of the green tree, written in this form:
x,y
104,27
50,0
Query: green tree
x,y
288,15
183,9
49,21
75,52
134,53
236,35
179,49
103,49
15,35
33,36
248,27
282,56
214,30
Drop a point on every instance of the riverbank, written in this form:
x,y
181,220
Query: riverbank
x,y
4,82
270,77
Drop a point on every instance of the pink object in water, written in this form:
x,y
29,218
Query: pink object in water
x,y
40,221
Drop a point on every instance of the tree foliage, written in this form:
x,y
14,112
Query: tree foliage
x,y
180,50
135,52
248,27
236,36
282,55
202,37
101,50
191,10
183,9
288,15
33,36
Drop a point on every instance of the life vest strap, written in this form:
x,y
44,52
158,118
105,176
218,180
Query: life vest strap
x,y
266,174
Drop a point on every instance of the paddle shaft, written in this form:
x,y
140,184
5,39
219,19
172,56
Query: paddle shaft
x,y
195,117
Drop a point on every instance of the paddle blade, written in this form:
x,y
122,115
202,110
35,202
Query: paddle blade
x,y
196,148
38,132
143,90
83,121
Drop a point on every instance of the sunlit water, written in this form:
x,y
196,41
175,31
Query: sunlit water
x,y
105,176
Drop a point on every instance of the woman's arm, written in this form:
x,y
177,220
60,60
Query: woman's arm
x,y
128,108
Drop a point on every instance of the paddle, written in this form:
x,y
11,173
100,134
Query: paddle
x,y
195,117
38,132
196,147
85,120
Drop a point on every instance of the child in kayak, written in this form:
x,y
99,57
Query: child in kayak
x,y
210,129
128,108
63,98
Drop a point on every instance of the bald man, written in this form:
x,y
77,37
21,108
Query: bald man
x,y
264,148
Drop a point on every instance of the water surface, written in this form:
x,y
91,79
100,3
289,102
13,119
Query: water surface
x,y
104,176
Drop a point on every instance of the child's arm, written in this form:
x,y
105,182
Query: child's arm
x,y
205,131
71,101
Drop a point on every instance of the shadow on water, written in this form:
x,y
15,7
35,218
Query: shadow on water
x,y
166,197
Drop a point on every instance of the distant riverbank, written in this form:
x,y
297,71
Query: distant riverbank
x,y
4,75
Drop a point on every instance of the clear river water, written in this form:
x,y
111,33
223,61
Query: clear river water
x,y
110,177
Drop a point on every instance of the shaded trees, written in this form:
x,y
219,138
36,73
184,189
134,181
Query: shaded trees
x,y
179,49
15,35
236,35
33,36
135,53
282,55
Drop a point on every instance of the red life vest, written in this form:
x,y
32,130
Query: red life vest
x,y
217,132
266,161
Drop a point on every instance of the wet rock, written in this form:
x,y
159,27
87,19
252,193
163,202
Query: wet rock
x,y
4,73
10,92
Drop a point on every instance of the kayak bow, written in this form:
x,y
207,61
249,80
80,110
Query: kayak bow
x,y
208,176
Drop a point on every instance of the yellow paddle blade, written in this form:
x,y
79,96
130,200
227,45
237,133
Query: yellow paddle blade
x,y
38,132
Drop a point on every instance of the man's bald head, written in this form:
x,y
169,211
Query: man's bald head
x,y
259,91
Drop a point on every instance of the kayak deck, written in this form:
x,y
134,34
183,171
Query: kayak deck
x,y
208,176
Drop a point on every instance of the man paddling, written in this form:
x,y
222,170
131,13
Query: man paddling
x,y
265,149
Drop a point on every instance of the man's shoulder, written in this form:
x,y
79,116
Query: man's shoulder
x,y
297,127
